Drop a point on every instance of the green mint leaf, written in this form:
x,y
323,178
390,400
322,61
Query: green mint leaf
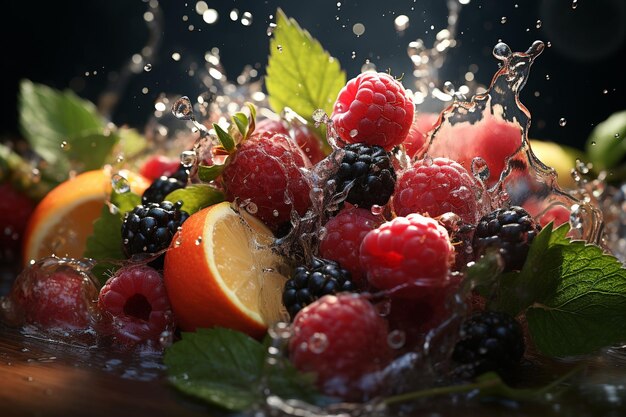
x,y
105,243
226,140
587,309
49,117
196,197
225,368
300,73
209,173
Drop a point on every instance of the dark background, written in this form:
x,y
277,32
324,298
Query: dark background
x,y
56,43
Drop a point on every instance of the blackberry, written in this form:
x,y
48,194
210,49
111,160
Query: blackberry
x,y
308,283
162,186
511,231
369,170
489,341
149,229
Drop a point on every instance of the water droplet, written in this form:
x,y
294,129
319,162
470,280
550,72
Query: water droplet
x,y
147,67
35,176
182,109
275,213
377,210
503,19
270,29
616,135
480,169
120,184
358,29
246,19
251,208
549,44
593,143
502,51
318,343
188,158
120,158
401,22
562,121
396,339
198,241
353,133
574,4
547,76
538,24
605,91
25,350
65,145
279,48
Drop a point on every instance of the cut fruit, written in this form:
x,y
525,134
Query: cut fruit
x,y
63,220
220,271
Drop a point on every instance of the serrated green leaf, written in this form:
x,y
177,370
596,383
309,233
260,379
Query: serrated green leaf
x,y
105,243
209,173
300,73
224,368
49,117
226,140
196,197
587,309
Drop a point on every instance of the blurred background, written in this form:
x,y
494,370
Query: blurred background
x,y
85,45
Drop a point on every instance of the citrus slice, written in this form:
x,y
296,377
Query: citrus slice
x,y
64,218
220,271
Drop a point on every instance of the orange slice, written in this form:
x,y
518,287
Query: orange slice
x,y
220,271
64,219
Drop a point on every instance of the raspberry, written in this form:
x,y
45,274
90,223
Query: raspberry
x,y
162,186
265,171
304,136
158,166
54,295
369,173
373,108
342,339
511,231
489,341
422,124
135,306
492,139
309,283
15,210
437,186
150,229
343,237
410,256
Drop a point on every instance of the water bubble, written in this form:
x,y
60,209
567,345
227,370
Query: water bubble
x,y
120,158
246,19
188,158
593,143
502,51
147,67
549,44
605,91
377,210
275,213
480,169
354,133
65,145
503,19
182,109
574,4
251,208
120,184
562,121
401,22
538,24
176,56
270,29
279,48
234,15
547,76
210,16
358,29
396,339
616,135
318,343
198,241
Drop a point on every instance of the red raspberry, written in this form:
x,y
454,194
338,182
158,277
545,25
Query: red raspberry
x,y
15,210
491,139
158,166
135,307
344,234
422,124
409,256
54,296
342,339
373,108
304,136
437,186
265,170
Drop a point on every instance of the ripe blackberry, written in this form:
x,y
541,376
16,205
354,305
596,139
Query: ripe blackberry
x,y
510,230
371,173
149,228
490,341
162,186
310,283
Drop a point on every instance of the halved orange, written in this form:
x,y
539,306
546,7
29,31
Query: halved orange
x,y
64,219
220,271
